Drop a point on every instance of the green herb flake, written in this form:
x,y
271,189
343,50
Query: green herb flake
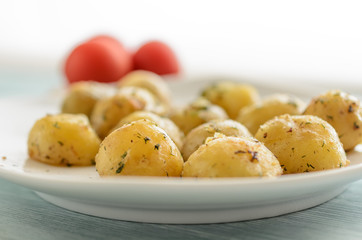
x,y
304,156
323,143
157,146
330,117
121,166
323,126
294,104
56,125
355,125
146,139
61,143
201,108
350,108
306,123
124,155
310,165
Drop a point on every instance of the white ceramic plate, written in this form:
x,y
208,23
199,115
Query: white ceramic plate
x,y
161,200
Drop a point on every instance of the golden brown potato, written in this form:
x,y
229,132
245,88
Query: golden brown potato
x,y
109,111
232,157
195,114
343,112
140,148
255,115
303,143
166,124
82,96
231,96
150,81
63,139
197,136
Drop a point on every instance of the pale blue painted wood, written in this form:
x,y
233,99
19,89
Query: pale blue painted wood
x,y
23,215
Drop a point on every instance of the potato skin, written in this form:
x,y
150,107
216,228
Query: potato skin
x,y
166,124
343,112
198,135
63,139
141,149
303,143
198,112
232,97
149,81
109,111
232,157
255,115
82,96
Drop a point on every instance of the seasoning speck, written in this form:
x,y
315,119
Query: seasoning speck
x,y
121,166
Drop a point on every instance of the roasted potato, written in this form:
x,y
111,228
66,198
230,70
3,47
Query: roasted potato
x,y
232,157
195,114
166,124
303,143
150,81
343,112
109,111
232,97
140,148
63,139
255,115
82,96
197,136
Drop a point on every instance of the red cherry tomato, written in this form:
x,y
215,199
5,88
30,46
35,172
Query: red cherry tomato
x,y
156,57
101,59
105,39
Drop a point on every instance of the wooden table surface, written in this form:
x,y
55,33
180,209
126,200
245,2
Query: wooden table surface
x,y
24,215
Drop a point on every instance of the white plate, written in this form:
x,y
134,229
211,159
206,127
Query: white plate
x,y
161,200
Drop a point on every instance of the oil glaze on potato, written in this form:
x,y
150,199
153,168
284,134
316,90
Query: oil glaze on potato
x,y
166,124
198,135
140,148
150,81
343,112
198,112
231,96
255,115
303,143
82,96
109,111
232,157
63,139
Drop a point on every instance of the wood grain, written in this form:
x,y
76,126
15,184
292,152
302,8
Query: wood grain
x,y
23,215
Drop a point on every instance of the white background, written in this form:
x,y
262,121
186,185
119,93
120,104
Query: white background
x,y
311,41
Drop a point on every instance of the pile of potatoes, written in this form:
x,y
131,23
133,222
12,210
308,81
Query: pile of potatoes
x,y
131,128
